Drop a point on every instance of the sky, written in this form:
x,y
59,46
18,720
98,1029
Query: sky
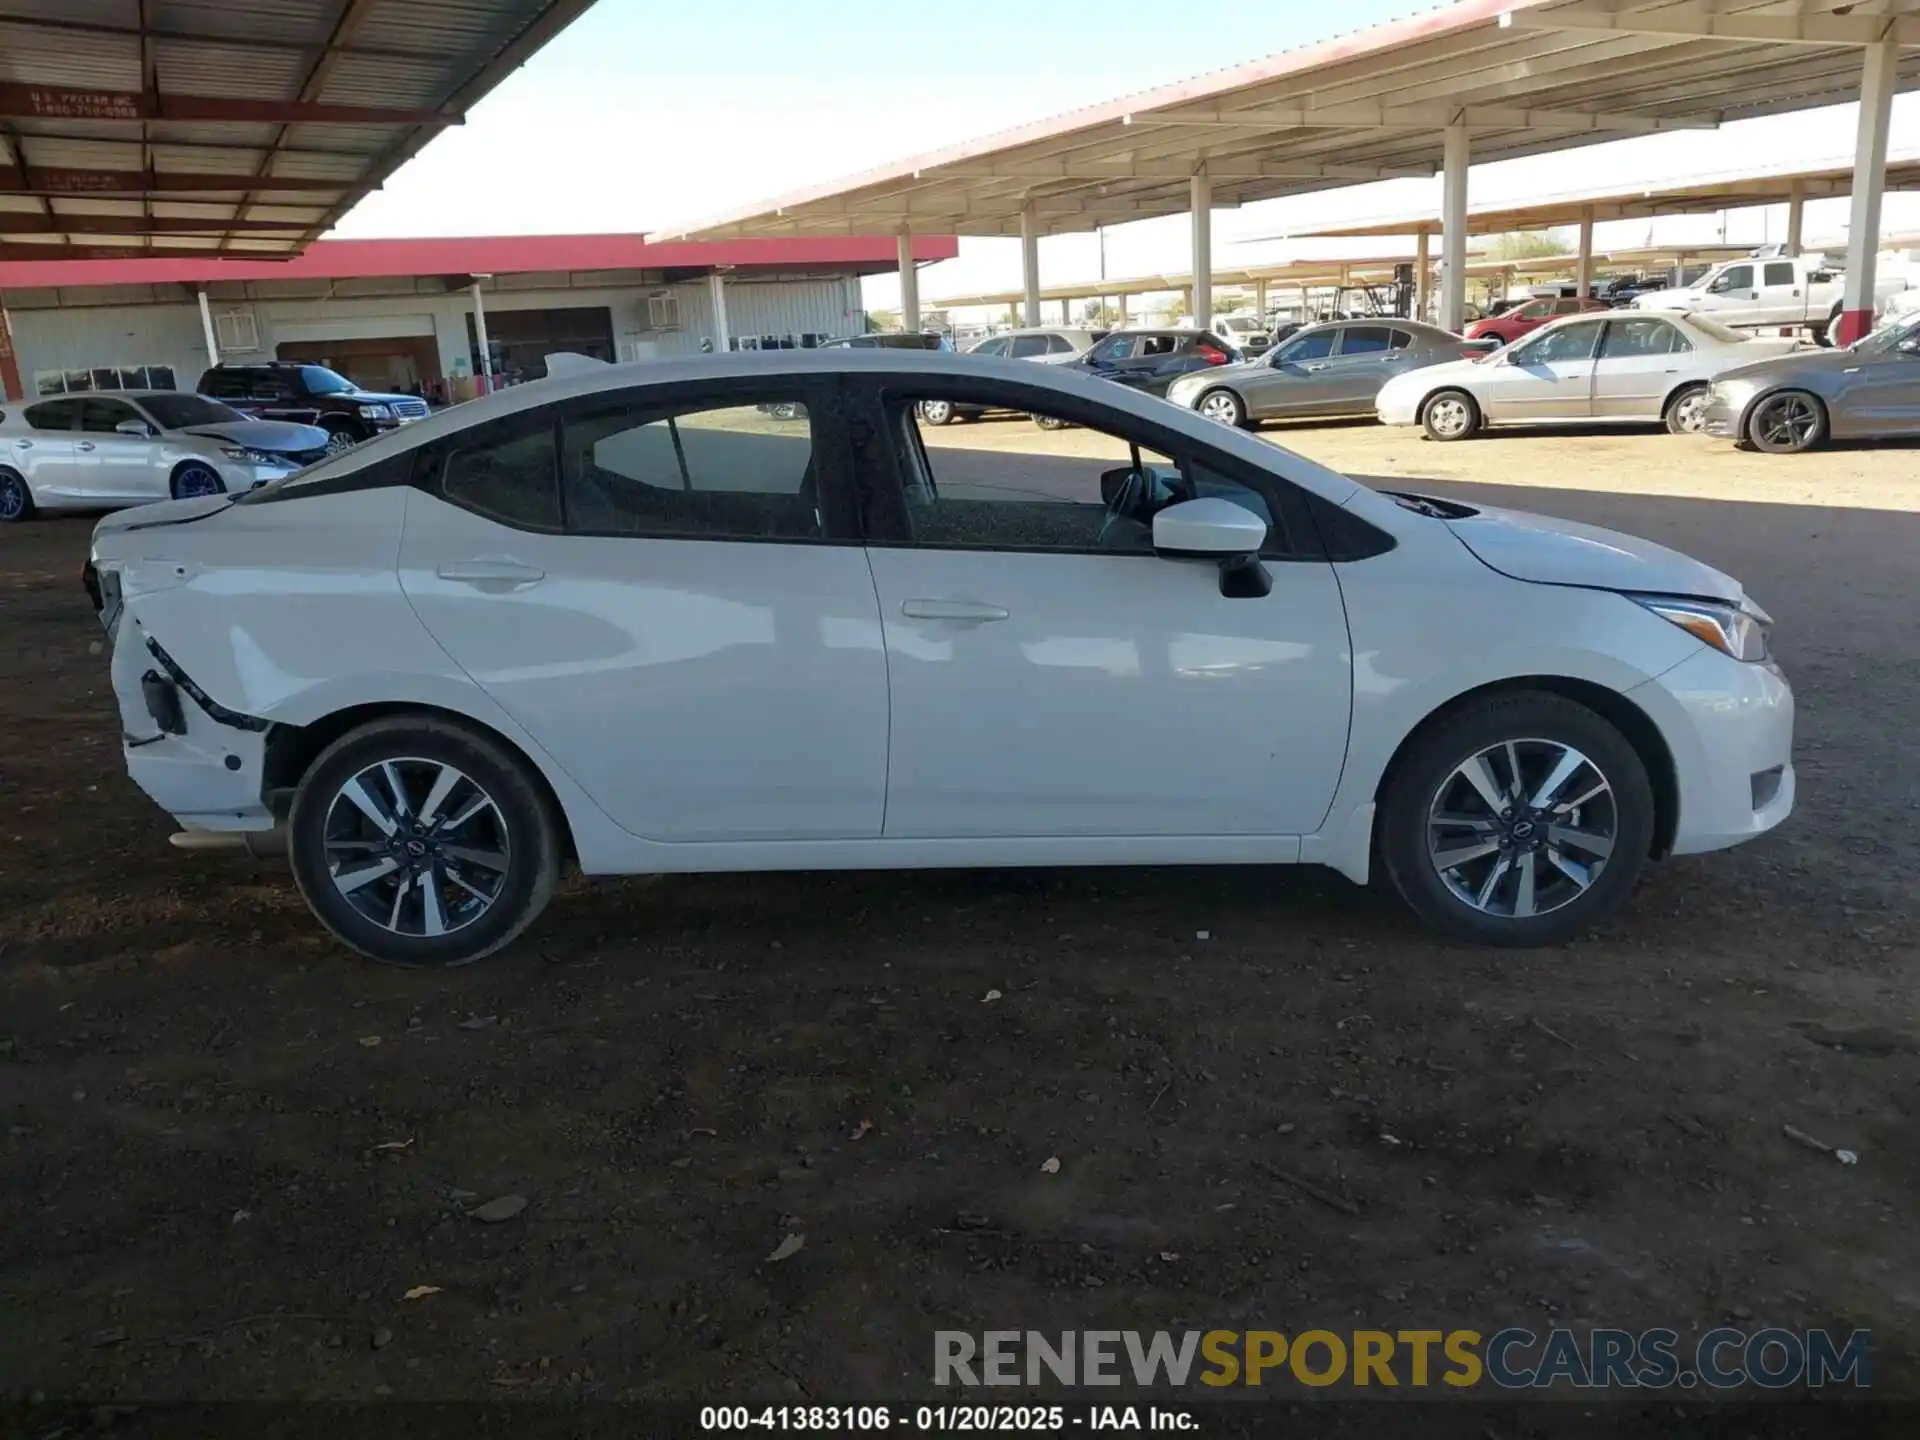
x,y
641,115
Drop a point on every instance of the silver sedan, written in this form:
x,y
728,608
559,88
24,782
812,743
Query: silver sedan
x,y
1868,390
1614,368
1331,369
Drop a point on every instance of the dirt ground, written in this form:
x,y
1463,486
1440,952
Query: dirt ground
x,y
230,1151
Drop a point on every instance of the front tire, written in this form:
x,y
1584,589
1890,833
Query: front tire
x,y
1049,422
1522,819
1787,422
340,439
1224,406
195,479
16,498
937,412
1686,412
1450,415
422,842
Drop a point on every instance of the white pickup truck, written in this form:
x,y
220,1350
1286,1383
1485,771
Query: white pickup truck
x,y
1765,292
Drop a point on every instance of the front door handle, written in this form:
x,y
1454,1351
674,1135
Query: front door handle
x,y
963,610
84,445
23,444
490,571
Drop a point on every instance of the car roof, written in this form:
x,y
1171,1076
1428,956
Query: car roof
x,y
776,365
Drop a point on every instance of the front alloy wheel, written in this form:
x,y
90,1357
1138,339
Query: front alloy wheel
x,y
937,412
1787,423
1223,406
194,479
1450,415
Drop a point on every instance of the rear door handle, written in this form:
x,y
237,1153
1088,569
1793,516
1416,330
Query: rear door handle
x,y
490,571
84,445
23,444
964,610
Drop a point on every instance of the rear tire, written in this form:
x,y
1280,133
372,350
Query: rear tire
x,y
1562,867
1450,415
1786,422
459,868
1686,412
937,412
16,497
1049,422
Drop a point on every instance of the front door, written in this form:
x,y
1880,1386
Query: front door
x,y
1547,376
1298,379
1051,676
112,465
1734,292
1884,397
44,454
667,592
1640,362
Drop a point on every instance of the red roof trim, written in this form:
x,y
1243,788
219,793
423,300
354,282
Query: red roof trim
x,y
475,255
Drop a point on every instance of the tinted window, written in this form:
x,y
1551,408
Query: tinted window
x,y
996,346
318,380
1366,340
1630,339
511,479
227,384
1562,343
735,472
176,412
99,417
1401,340
1316,346
1025,347
1059,345
1780,273
1117,347
52,414
1159,344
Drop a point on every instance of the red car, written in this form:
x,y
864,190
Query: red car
x,y
1509,327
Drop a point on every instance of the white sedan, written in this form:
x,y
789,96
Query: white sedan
x,y
1619,367
106,449
629,618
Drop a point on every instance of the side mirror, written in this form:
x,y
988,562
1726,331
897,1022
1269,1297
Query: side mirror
x,y
139,428
1219,530
1909,346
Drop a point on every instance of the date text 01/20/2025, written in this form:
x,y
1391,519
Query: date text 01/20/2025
x,y
989,1419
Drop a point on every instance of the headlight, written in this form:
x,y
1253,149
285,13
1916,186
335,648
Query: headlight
x,y
1739,631
376,412
255,457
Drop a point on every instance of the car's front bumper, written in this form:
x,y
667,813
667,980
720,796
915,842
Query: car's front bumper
x,y
1726,408
1729,727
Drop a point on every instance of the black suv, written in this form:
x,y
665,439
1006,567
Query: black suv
x,y
310,395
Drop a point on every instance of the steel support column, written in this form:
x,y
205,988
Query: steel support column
x,y
1878,73
1796,214
1422,274
717,300
1583,267
1200,201
909,284
1453,222
480,335
206,329
1030,263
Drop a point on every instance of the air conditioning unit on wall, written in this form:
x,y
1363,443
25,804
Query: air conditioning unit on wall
x,y
663,310
237,331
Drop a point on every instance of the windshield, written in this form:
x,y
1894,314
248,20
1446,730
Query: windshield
x,y
177,412
319,380
1713,328
1888,337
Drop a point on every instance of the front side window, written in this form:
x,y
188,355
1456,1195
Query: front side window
x,y
1634,339
318,380
52,414
1561,344
1735,277
103,417
996,346
734,472
1120,347
1317,346
1101,500
1025,347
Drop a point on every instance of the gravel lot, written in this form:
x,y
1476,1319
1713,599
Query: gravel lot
x,y
230,1151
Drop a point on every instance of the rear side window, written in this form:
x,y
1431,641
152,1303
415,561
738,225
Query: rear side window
x,y
1059,345
1779,273
512,479
1366,340
52,414
227,384
996,346
736,472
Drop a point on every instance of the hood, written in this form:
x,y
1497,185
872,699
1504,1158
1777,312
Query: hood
x,y
1800,362
276,435
1669,299
160,512
373,397
1546,551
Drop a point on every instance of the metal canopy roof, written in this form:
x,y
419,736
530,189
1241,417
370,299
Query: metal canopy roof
x,y
1525,76
232,127
1700,196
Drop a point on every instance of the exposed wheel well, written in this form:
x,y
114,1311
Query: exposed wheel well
x,y
1625,716
292,749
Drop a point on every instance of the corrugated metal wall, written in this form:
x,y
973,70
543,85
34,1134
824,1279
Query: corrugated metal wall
x,y
79,338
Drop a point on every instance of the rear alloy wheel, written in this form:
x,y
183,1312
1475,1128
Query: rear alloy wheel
x,y
195,479
1224,406
1787,423
1049,422
937,412
16,500
418,841
1523,820
1450,415
1686,413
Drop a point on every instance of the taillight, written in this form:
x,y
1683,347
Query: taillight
x,y
1213,356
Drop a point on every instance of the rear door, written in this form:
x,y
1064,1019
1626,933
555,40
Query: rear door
x,y
1783,298
1640,362
667,589
1547,376
43,453
115,466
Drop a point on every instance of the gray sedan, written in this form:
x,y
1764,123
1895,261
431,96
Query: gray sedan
x,y
1868,390
1331,369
